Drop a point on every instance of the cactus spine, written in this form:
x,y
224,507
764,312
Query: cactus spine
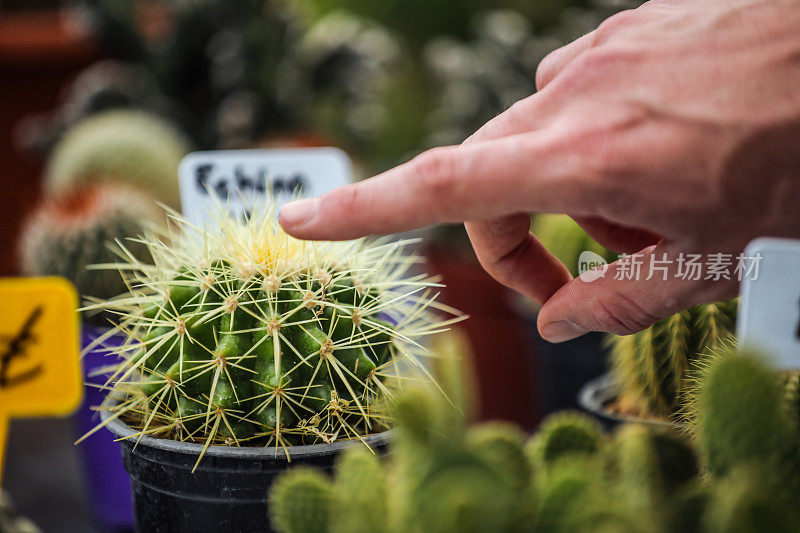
x,y
651,367
128,147
82,227
241,335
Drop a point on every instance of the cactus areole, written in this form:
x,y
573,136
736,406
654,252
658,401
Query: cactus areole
x,y
239,335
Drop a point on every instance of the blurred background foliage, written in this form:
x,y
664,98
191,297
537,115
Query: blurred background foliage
x,y
383,80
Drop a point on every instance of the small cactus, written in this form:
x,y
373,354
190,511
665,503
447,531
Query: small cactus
x,y
456,500
242,335
360,494
81,227
746,502
501,446
565,434
651,366
563,492
652,465
742,417
125,146
301,502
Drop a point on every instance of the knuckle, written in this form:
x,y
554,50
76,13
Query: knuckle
x,y
546,70
435,171
613,24
619,314
603,61
346,199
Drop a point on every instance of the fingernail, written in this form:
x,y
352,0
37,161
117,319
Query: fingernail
x,y
562,330
298,212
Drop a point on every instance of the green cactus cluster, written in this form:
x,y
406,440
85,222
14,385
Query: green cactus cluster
x,y
131,147
740,473
240,335
652,367
83,226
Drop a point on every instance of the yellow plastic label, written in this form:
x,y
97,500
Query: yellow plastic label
x,y
40,370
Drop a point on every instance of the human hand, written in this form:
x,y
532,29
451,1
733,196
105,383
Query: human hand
x,y
671,129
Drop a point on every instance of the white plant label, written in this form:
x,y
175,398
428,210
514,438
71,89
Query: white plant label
x,y
241,178
769,310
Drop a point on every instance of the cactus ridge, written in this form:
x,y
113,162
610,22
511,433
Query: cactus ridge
x,y
651,367
241,335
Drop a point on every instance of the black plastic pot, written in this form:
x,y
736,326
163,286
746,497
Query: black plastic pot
x,y
596,395
227,492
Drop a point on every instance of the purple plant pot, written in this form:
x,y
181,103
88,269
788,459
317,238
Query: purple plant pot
x,y
108,483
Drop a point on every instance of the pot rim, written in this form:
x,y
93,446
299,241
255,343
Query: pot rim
x,y
598,392
124,432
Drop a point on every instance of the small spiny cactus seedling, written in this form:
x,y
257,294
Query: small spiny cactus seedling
x,y
241,335
501,445
72,231
125,146
564,490
651,466
564,434
360,484
651,367
302,502
742,417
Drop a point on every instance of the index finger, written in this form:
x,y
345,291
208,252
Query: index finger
x,y
527,172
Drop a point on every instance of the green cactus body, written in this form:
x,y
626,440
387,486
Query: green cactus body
x,y
360,494
652,465
742,417
746,502
83,227
124,146
241,335
564,490
456,499
651,366
565,434
502,446
302,502
688,507
566,239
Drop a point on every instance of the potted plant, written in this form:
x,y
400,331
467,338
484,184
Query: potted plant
x,y
652,370
65,234
246,351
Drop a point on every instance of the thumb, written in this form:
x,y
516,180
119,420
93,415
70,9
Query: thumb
x,y
633,293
